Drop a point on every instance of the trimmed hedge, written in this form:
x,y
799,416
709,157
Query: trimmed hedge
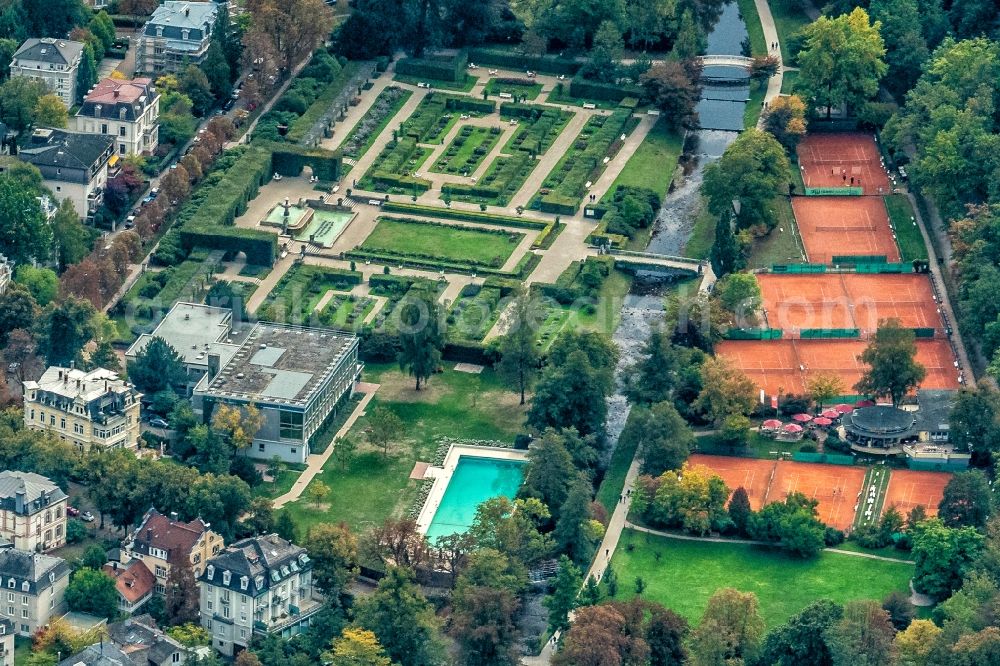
x,y
290,160
507,286
399,284
450,68
260,247
520,61
608,92
463,103
468,215
298,128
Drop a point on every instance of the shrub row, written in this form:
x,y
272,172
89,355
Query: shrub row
x,y
459,214
298,128
608,92
399,284
463,103
581,279
451,68
546,124
290,160
520,61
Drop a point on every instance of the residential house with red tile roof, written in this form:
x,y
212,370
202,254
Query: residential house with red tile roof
x,y
134,583
127,111
162,542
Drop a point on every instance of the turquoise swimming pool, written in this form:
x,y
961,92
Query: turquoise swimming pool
x,y
325,227
474,481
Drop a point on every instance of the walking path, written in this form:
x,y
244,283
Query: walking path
x,y
770,37
317,461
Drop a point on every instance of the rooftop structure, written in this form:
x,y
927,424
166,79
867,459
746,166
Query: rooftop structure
x,y
134,583
177,34
40,579
74,165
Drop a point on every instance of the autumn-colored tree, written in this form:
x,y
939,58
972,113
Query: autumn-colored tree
x,y
176,184
238,424
785,118
603,635
823,387
694,500
725,390
246,658
317,492
730,629
193,166
356,647
50,111
334,552
291,29
181,596
398,542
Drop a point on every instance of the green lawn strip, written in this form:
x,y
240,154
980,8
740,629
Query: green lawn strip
x,y
781,245
908,236
888,551
467,150
298,292
528,91
879,477
252,270
398,158
699,244
789,18
754,107
682,575
485,247
465,85
607,313
374,487
788,81
758,446
556,319
22,650
546,128
748,10
346,312
271,490
378,117
653,163
614,477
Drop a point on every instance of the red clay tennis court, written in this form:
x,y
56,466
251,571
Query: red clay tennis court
x,y
847,300
832,160
909,488
836,487
844,226
907,297
786,365
752,474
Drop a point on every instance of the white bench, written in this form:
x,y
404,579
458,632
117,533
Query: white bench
x,y
589,105
505,96
374,202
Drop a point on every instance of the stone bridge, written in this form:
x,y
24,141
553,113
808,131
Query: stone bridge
x,y
726,61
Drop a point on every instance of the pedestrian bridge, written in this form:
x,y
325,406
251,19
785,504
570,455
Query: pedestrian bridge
x,y
726,61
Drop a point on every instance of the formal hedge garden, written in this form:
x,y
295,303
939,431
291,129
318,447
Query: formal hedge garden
x,y
382,111
421,240
474,312
467,150
393,168
294,298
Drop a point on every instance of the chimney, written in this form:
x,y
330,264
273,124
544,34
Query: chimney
x,y
149,534
19,500
60,374
173,516
187,11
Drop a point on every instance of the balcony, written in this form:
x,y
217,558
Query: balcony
x,y
306,609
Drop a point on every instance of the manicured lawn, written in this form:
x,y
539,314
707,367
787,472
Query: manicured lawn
x,y
346,312
286,479
298,292
788,81
908,236
529,91
441,241
375,487
758,46
555,97
781,246
653,164
614,478
789,18
751,114
608,312
682,575
464,86
467,150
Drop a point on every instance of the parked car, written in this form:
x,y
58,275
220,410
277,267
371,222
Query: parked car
x,y
72,511
159,423
87,517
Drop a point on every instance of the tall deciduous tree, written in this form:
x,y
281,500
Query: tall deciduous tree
x,y
906,48
664,439
967,500
421,337
572,389
292,29
402,619
753,170
550,471
975,420
484,625
356,647
92,591
25,234
64,328
610,633
334,551
841,61
943,555
862,637
725,390
893,370
823,387
914,644
671,89
50,111
519,357
802,639
181,595
785,118
384,427
730,629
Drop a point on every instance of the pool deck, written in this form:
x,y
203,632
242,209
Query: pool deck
x,y
442,475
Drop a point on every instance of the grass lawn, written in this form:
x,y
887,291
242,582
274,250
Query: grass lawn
x,y
467,150
788,81
346,312
751,114
908,236
748,10
682,575
463,86
653,164
495,87
781,246
442,241
375,487
565,98
608,313
699,245
614,478
286,479
789,18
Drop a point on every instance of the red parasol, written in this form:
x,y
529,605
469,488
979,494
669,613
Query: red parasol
x,y
864,403
831,414
792,427
844,408
822,421
802,418
771,424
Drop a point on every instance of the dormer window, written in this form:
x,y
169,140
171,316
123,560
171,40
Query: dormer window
x,y
121,113
185,33
226,577
210,572
259,582
25,586
159,31
52,577
244,582
11,583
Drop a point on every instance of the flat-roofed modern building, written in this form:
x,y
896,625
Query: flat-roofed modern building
x,y
296,376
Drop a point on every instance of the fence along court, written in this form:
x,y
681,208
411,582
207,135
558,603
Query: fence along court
x,y
835,225
833,160
787,365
